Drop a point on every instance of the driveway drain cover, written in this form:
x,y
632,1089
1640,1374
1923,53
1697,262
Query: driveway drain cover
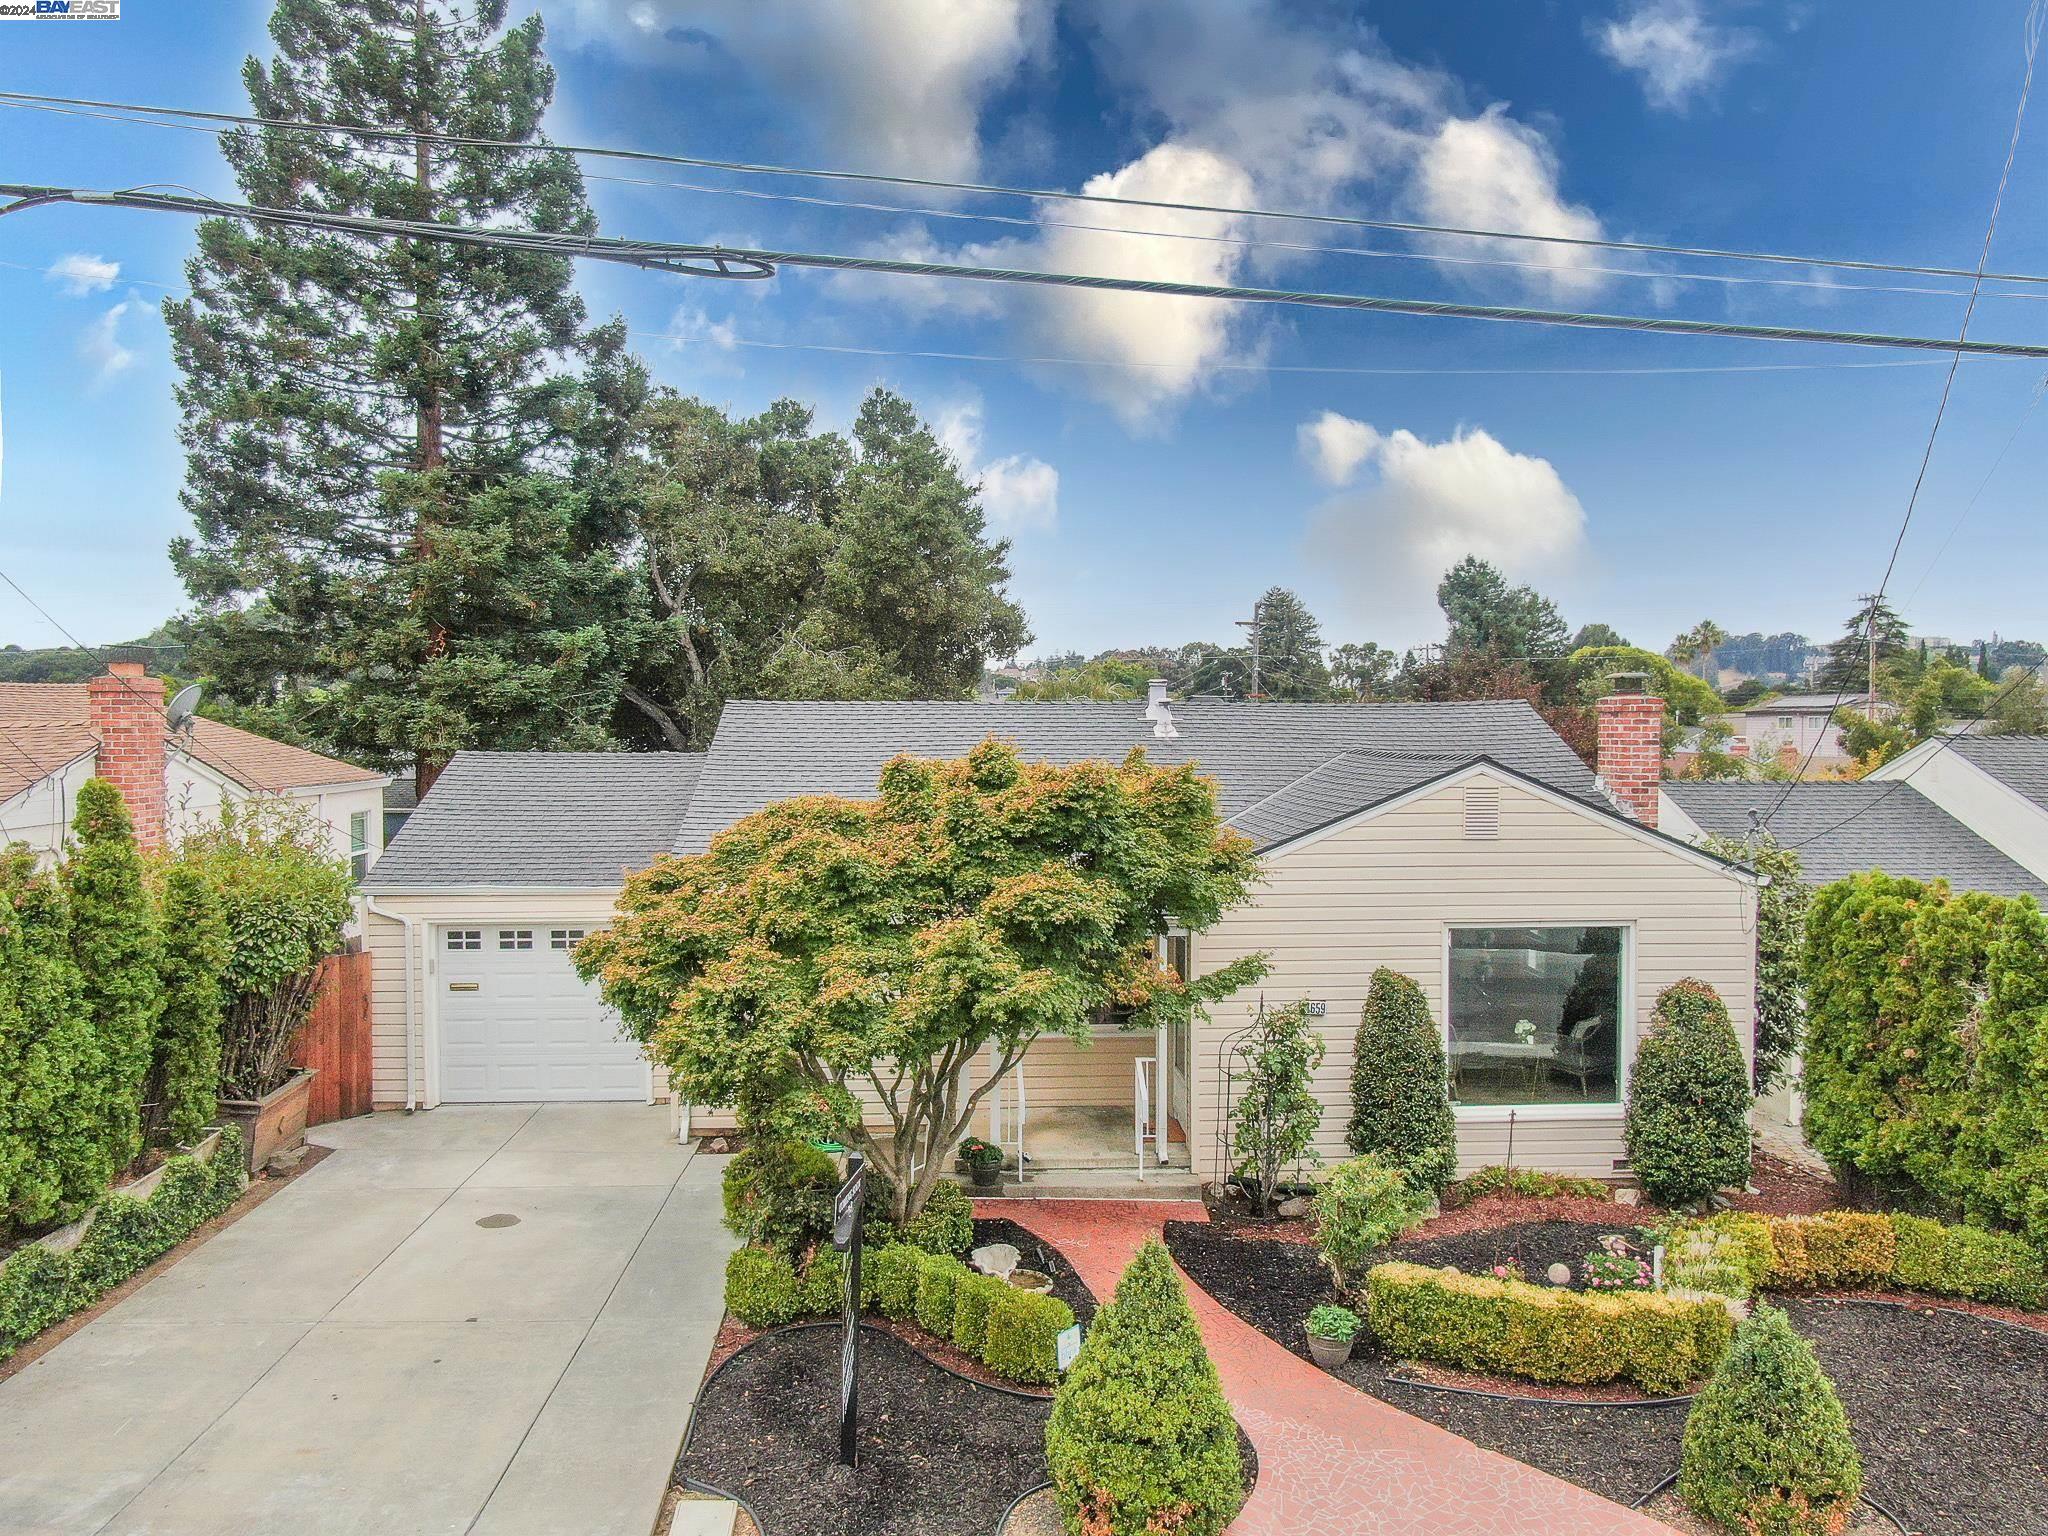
x,y
502,1219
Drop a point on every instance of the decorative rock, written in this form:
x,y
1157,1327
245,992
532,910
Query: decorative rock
x,y
998,1259
1628,1196
1289,1210
1559,1274
286,1159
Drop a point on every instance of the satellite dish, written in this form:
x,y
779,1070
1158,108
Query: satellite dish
x,y
184,704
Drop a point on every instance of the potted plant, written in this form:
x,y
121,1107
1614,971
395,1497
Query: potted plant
x,y
1331,1331
984,1159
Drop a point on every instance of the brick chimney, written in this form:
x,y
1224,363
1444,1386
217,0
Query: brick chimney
x,y
1631,756
127,715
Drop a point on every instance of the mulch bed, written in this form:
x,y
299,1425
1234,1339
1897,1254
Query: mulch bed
x,y
1950,1411
1042,1256
1534,1245
1490,1212
938,1456
1785,1188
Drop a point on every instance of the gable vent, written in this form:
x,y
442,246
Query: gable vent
x,y
1482,810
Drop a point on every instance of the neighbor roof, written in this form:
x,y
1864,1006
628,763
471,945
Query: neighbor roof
x,y
1895,828
537,820
255,762
1281,767
1805,704
2018,762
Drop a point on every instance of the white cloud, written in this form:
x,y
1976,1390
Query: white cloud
x,y
1018,492
895,85
691,329
1335,446
82,274
1491,172
1432,503
1677,50
100,345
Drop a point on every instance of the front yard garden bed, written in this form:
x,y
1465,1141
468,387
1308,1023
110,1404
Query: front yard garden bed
x,y
939,1455
1042,1256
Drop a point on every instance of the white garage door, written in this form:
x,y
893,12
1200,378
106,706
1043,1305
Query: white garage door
x,y
518,1024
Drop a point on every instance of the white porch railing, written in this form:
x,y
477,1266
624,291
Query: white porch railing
x,y
1145,1125
1006,1112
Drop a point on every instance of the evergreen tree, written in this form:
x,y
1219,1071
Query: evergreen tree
x,y
1400,1093
185,1078
51,1059
1486,614
117,946
1847,668
386,561
782,562
1687,1121
1290,659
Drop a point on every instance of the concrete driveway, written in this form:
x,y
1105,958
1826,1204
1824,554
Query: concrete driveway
x,y
486,1320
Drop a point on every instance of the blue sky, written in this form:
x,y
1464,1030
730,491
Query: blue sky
x,y
1179,456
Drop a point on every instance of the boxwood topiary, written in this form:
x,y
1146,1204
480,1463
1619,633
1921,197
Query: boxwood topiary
x,y
1141,1439
973,1295
1767,1446
1687,1123
894,1267
824,1282
1023,1329
946,1224
938,1280
761,1287
1400,1093
1835,1248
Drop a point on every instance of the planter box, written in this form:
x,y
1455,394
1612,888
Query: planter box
x,y
274,1123
69,1236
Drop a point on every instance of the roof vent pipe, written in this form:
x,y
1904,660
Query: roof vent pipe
x,y
1158,711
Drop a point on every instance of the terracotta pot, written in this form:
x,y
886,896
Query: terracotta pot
x,y
1329,1353
274,1123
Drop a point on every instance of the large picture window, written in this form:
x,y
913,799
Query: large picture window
x,y
1535,1015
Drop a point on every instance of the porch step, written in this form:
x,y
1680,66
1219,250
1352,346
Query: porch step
x,y
1104,1184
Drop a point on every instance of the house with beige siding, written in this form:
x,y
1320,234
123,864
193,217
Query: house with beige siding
x,y
1465,845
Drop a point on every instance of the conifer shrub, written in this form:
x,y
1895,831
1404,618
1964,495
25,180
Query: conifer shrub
x,y
1687,1122
117,945
761,1287
1141,1440
1364,1205
184,1078
1021,1341
1767,1447
946,1224
972,1297
938,1280
1400,1086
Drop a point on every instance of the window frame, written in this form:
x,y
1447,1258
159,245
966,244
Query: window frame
x,y
358,845
1625,1025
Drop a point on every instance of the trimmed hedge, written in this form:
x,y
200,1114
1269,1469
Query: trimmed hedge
x,y
1835,1249
39,1286
1012,1332
1687,1121
1141,1440
1400,1086
1659,1341
1967,1262
1767,1446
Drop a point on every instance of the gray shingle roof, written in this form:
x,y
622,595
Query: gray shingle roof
x,y
765,752
1899,830
2019,762
538,819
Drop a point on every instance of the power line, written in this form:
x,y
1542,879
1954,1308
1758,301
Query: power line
x,y
1048,194
2032,36
1036,222
712,260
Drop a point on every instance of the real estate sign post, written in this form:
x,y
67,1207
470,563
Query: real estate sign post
x,y
846,1223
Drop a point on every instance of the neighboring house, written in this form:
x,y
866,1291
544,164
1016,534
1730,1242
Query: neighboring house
x,y
1462,844
1995,785
1840,829
55,736
1800,727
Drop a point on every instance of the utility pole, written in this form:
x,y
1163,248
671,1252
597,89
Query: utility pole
x,y
1253,624
1870,647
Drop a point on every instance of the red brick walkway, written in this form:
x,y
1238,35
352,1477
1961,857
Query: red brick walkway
x,y
1332,1461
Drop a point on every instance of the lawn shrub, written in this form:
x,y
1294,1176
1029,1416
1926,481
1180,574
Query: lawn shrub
x,y
824,1283
1687,1122
1728,1253
1277,1113
938,1280
1529,1183
778,1194
1400,1086
1836,1248
1141,1440
761,1287
895,1267
39,1286
1364,1205
1659,1341
973,1295
184,1078
1022,1333
1767,1447
1968,1262
946,1224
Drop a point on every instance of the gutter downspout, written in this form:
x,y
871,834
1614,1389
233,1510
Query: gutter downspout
x,y
370,908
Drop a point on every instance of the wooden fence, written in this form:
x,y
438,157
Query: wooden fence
x,y
336,1040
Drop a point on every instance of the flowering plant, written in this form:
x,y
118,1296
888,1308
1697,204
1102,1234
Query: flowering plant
x,y
1511,1270
1612,1267
1525,1030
